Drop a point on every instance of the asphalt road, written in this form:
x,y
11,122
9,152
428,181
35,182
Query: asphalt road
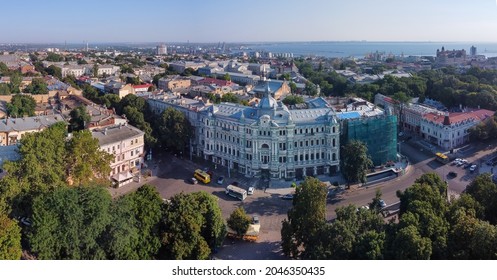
x,y
173,175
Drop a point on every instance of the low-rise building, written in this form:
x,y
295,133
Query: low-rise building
x,y
173,83
13,129
126,143
450,130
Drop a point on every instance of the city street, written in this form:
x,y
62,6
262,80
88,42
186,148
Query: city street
x,y
173,174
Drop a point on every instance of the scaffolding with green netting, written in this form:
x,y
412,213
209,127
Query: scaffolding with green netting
x,y
378,133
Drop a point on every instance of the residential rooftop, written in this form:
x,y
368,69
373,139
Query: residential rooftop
x,y
116,134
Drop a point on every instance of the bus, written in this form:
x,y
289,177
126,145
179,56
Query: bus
x,y
236,192
442,158
202,176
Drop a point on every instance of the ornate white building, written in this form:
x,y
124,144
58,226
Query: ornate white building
x,y
268,140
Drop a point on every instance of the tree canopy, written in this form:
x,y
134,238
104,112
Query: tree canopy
x,y
174,129
299,233
239,221
79,118
21,105
10,239
355,161
193,226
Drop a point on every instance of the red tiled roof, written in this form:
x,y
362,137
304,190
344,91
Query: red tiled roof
x,y
142,86
217,82
480,115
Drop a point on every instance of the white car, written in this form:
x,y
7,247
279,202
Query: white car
x,y
472,168
382,203
250,191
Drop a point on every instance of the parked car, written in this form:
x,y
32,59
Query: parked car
x,y
382,203
452,174
287,197
250,191
193,181
467,165
472,168
255,220
220,180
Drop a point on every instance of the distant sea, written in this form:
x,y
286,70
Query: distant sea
x,y
362,48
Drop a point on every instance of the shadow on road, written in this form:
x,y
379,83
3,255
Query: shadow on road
x,y
234,249
268,205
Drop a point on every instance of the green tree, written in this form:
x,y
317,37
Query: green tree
x,y
174,129
239,221
375,204
293,99
134,232
4,89
95,70
10,239
21,105
133,80
355,161
121,237
41,168
109,100
54,71
293,87
300,232
136,118
69,222
484,191
85,161
4,70
355,234
227,77
471,238
54,57
15,82
37,86
134,101
230,97
409,245
79,118
193,225
424,206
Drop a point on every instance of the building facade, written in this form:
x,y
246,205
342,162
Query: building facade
x,y
450,130
126,143
268,140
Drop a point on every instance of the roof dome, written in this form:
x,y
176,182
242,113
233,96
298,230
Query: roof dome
x,y
268,102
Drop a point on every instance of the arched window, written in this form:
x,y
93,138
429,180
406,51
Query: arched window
x,y
265,146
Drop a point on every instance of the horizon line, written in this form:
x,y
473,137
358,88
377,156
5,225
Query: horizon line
x,y
245,42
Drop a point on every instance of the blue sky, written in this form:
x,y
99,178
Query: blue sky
x,y
247,21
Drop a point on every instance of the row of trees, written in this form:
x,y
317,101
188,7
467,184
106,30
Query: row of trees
x,y
85,223
428,227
